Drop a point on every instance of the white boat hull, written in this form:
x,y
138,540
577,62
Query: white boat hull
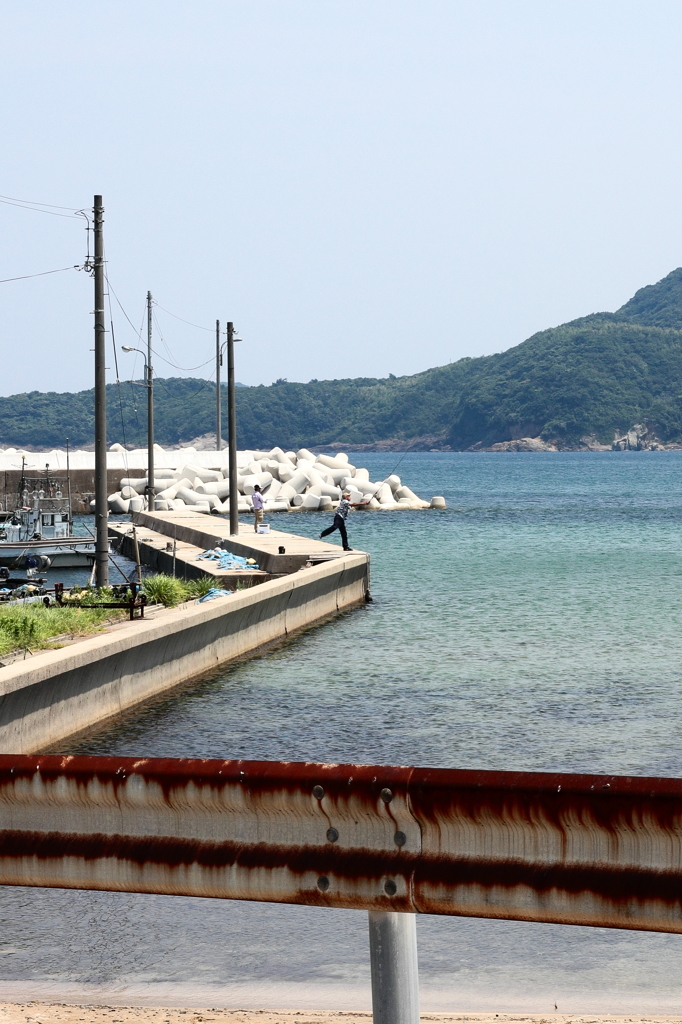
x,y
62,553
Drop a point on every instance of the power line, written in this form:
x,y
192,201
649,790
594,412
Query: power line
x,y
198,327
29,202
133,395
158,354
109,286
24,277
177,367
208,381
37,209
155,351
161,335
118,379
170,361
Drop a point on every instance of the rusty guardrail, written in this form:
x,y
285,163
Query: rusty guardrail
x,y
573,849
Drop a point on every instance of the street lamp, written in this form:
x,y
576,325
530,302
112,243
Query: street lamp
x,y
149,385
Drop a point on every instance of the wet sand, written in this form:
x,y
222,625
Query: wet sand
x,y
72,1013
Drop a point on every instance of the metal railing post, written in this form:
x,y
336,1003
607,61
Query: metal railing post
x,y
395,971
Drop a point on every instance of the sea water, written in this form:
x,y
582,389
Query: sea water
x,y
534,625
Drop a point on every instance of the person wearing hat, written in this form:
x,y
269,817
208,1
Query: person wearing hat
x,y
340,517
258,505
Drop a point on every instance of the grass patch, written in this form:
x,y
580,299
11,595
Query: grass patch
x,y
32,627
166,590
171,591
197,588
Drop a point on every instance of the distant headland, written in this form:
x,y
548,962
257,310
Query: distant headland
x,y
605,380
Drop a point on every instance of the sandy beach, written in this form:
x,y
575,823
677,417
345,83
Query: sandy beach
x,y
75,1013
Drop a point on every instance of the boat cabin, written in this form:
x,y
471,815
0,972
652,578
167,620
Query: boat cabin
x,y
49,519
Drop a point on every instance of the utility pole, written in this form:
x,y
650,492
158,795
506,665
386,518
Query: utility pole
x,y
232,435
150,410
101,505
218,364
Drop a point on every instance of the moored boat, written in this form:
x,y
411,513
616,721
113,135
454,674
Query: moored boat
x,y
38,533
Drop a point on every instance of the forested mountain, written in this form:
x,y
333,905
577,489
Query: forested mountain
x,y
594,376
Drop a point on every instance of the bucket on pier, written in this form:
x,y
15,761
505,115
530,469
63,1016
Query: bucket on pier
x,y
264,528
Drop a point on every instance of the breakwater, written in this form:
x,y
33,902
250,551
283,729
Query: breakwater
x,y
199,479
286,479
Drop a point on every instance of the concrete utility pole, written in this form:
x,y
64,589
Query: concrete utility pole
x,y
101,505
218,364
150,409
232,435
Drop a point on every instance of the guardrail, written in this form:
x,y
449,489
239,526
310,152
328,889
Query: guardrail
x,y
572,849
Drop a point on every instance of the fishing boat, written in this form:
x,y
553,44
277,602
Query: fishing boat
x,y
38,532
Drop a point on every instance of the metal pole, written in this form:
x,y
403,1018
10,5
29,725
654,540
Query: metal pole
x,y
395,971
136,550
101,506
232,435
68,484
150,409
218,416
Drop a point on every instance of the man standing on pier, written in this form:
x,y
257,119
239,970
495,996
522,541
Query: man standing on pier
x,y
258,503
339,523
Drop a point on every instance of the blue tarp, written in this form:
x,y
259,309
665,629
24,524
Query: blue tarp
x,y
226,560
213,593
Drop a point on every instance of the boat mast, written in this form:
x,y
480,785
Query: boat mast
x,y
68,485
101,505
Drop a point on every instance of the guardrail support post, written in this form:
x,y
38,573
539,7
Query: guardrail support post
x,y
395,972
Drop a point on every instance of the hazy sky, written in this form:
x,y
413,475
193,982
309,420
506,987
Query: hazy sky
x,y
364,187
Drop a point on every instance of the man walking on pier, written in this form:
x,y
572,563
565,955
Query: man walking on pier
x,y
258,503
339,523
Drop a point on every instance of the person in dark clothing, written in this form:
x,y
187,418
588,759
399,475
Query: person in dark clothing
x,y
339,523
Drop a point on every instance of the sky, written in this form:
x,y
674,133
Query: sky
x,y
363,187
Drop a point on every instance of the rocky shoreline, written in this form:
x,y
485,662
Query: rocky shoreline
x,y
637,438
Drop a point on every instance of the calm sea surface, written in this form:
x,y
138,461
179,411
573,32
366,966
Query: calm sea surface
x,y
536,624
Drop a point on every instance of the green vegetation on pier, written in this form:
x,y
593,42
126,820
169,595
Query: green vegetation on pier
x,y
33,627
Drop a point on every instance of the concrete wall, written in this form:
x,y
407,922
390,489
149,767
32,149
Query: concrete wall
x,y
82,485
56,694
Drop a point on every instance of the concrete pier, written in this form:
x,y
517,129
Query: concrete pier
x,y
192,533
56,694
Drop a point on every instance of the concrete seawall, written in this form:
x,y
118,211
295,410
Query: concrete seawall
x,y
56,694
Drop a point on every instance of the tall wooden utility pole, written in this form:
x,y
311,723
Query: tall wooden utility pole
x,y
101,505
232,435
150,409
218,364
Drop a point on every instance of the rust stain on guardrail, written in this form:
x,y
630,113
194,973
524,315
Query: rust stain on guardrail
x,y
573,849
